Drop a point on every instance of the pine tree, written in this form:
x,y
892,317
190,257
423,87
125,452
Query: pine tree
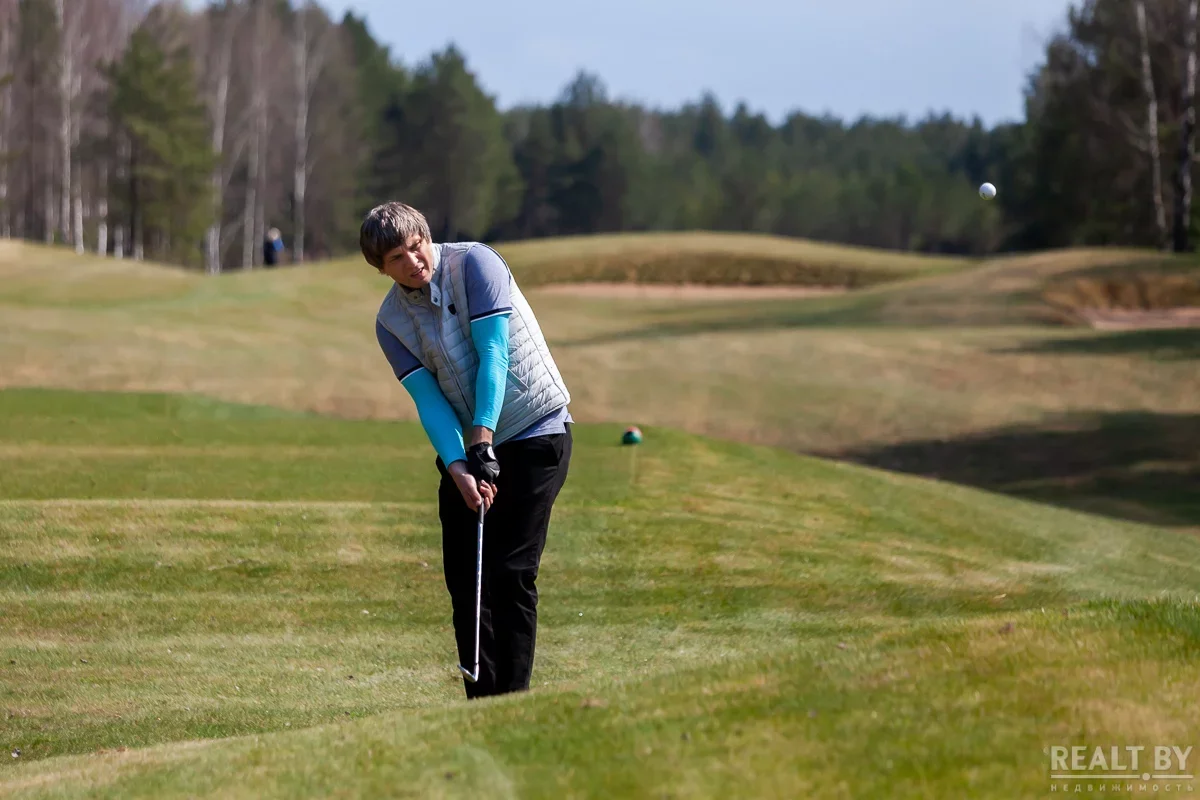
x,y
535,150
35,106
598,156
377,115
160,131
456,163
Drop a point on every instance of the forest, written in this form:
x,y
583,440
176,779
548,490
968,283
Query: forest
x,y
154,130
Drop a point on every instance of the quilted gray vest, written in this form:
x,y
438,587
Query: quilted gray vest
x,y
441,341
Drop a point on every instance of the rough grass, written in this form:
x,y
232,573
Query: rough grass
x,y
717,619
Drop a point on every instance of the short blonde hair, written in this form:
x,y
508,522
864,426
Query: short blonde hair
x,y
387,227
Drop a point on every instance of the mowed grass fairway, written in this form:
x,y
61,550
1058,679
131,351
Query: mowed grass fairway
x,y
220,562
203,599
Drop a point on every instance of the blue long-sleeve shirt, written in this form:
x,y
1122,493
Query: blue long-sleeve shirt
x,y
489,306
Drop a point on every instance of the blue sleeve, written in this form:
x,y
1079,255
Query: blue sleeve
x,y
437,417
489,304
490,335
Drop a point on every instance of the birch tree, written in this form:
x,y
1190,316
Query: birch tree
x,y
51,154
66,80
1187,134
78,22
308,67
8,27
222,21
251,214
335,135
1151,136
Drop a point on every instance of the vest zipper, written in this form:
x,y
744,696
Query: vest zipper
x,y
449,363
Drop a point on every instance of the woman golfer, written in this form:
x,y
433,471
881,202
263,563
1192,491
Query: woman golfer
x,y
463,341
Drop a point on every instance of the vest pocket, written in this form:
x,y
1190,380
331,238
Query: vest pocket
x,y
516,380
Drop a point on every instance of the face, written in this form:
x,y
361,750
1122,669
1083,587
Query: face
x,y
411,264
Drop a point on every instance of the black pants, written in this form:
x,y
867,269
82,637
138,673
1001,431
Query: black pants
x,y
532,471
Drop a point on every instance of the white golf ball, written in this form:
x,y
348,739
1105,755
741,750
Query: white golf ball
x,y
987,191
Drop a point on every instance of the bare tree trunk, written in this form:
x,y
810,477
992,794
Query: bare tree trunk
x,y
102,212
213,243
65,80
220,112
300,171
251,214
5,214
7,68
248,214
136,245
50,222
76,114
312,43
260,214
1160,215
122,233
77,224
1187,137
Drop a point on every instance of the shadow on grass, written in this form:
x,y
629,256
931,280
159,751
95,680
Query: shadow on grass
x,y
1166,344
1133,465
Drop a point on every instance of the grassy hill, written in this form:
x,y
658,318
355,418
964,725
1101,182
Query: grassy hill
x,y
965,372
714,258
204,599
690,257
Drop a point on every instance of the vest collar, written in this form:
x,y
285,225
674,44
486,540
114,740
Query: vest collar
x,y
429,290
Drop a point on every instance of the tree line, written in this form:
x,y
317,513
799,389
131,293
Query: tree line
x,y
143,129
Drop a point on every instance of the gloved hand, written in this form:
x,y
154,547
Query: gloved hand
x,y
482,463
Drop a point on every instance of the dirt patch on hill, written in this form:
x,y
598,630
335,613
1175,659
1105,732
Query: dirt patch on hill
x,y
687,291
1120,319
1147,300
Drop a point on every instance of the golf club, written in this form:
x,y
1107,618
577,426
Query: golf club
x,y
473,675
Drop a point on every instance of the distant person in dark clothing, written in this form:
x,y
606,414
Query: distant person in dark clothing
x,y
272,247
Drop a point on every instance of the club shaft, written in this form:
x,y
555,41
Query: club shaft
x,y
478,581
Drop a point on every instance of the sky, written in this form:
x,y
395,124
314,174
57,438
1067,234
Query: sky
x,y
843,57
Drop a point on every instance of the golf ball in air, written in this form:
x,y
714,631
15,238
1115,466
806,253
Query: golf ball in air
x,y
987,191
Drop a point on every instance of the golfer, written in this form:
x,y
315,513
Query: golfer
x,y
461,338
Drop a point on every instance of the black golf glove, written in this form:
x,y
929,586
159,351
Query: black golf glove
x,y
482,463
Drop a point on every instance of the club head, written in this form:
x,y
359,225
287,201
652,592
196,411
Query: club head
x,y
473,677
